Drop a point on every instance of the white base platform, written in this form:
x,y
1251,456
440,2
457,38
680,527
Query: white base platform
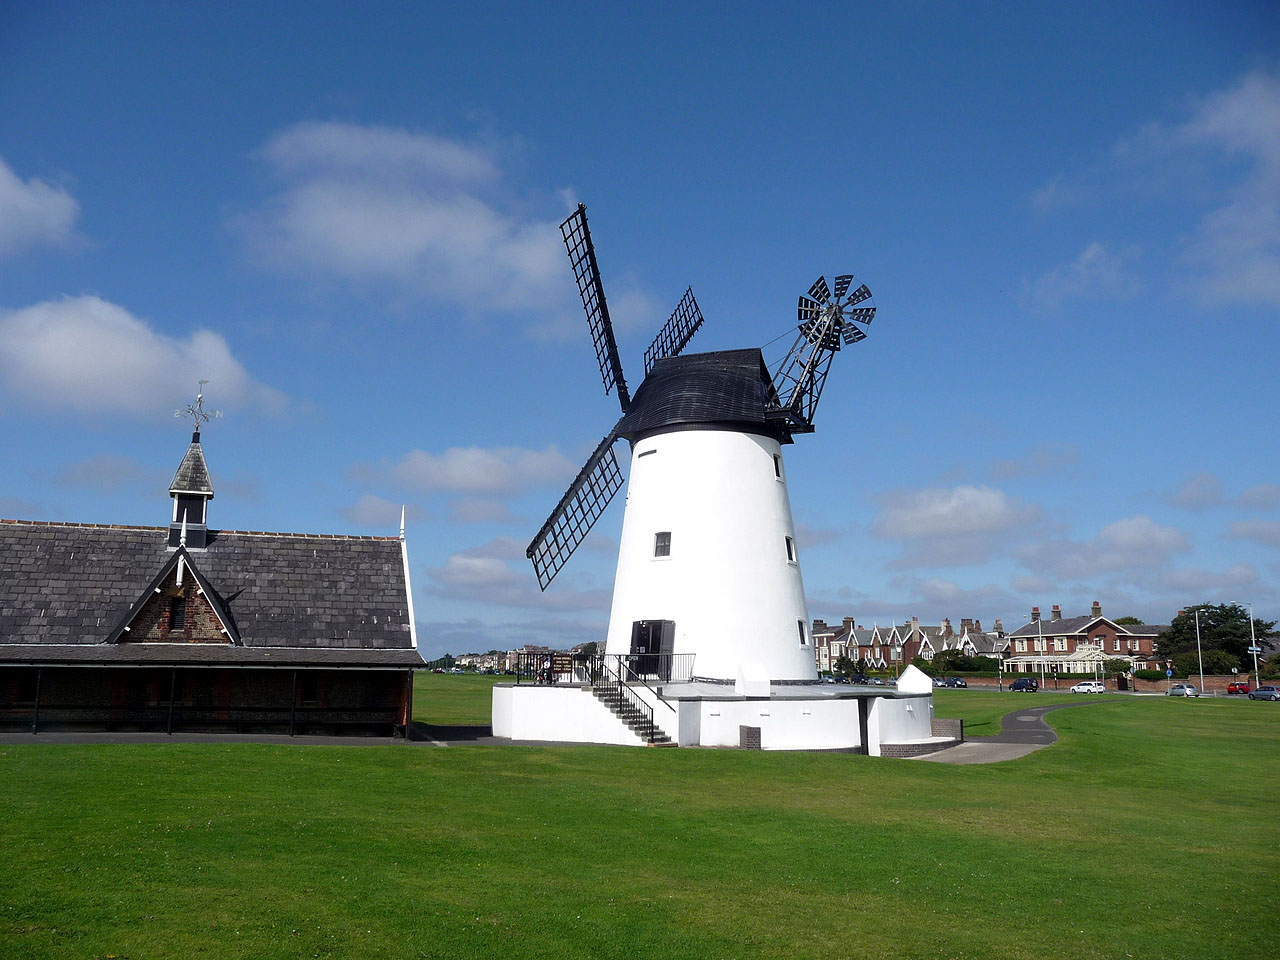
x,y
792,717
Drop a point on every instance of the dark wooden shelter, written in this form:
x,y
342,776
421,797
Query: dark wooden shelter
x,y
188,628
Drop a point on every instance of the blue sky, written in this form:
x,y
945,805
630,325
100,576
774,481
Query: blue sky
x,y
346,220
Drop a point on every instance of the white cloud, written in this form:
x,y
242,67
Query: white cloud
x,y
1263,496
1238,245
1201,491
1098,273
1128,545
498,573
946,512
424,214
481,470
1265,532
1198,492
949,526
34,213
374,511
90,356
1206,582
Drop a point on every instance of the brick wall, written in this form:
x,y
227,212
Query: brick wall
x,y
153,624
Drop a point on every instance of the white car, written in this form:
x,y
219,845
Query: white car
x,y
1182,690
1089,686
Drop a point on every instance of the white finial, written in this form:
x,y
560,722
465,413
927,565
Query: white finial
x,y
182,545
402,521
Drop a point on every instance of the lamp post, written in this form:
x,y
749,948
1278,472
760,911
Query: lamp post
x,y
1253,645
1199,655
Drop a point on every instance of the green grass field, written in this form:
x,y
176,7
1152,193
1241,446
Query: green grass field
x,y
1147,831
453,698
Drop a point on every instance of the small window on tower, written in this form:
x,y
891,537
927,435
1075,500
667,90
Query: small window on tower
x,y
804,639
662,544
177,613
777,466
791,550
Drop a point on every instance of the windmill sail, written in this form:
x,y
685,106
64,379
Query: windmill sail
x,y
678,331
576,513
582,254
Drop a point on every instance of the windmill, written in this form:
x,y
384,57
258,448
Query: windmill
x,y
707,564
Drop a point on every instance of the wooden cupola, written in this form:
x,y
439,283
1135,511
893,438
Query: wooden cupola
x,y
191,491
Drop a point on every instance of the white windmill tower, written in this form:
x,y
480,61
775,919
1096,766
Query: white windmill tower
x,y
708,569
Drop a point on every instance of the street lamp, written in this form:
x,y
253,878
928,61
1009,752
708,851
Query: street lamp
x,y
1253,645
1199,656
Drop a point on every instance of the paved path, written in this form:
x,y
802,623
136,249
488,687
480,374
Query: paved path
x,y
1021,732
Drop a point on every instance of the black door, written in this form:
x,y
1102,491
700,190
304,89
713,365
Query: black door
x,y
651,645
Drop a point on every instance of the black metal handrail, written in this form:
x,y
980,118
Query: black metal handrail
x,y
610,682
579,668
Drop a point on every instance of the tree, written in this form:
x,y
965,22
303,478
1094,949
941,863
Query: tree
x,y
1216,662
1127,622
1224,626
844,667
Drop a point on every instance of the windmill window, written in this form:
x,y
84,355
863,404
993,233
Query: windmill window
x,y
777,466
662,544
177,613
804,639
791,550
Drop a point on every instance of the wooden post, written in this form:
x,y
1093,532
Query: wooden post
x,y
293,704
408,704
35,713
173,686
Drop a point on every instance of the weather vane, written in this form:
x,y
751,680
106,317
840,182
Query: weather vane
x,y
196,410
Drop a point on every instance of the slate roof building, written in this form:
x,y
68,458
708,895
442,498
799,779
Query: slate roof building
x,y
187,627
1081,645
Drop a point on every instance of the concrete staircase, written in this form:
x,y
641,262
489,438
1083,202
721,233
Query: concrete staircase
x,y
635,720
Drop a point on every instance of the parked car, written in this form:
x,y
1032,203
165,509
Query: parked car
x,y
1025,684
1182,690
954,682
1265,692
937,682
1089,686
1237,686
859,678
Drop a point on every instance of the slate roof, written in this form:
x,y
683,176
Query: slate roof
x,y
726,387
193,472
67,584
1056,628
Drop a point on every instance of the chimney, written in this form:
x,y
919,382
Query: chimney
x,y
946,627
915,627
999,628
965,624
848,623
977,625
1035,614
1181,613
1097,609
819,626
1056,613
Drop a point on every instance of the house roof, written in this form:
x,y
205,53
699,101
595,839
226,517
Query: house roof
x,y
1070,625
193,472
68,584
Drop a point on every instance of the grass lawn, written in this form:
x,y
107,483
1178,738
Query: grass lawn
x,y
982,709
1148,831
453,698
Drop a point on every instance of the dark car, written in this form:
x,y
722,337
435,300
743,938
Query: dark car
x,y
1025,684
1265,692
859,678
954,682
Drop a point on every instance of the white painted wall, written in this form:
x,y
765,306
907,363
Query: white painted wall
x,y
899,721
784,724
728,585
563,713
